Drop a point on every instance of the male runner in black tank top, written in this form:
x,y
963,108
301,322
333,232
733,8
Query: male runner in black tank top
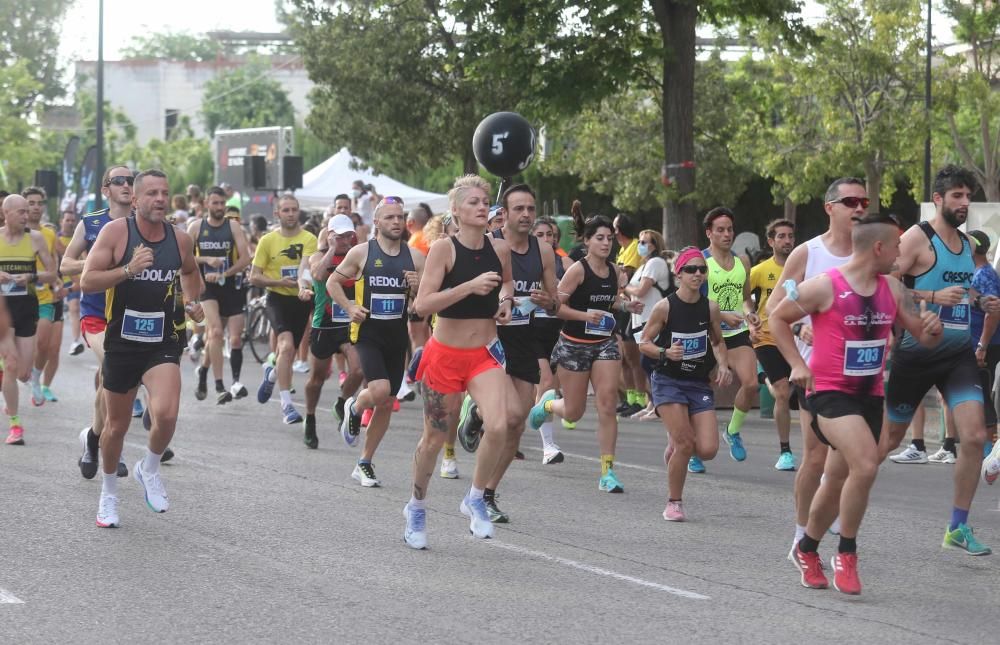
x,y
139,261
386,273
222,253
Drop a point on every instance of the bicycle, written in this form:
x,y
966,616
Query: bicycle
x,y
257,329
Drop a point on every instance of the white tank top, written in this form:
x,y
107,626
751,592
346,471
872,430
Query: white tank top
x,y
819,261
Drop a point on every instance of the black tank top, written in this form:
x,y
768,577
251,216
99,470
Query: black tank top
x,y
383,291
470,263
687,323
216,242
594,292
141,312
526,269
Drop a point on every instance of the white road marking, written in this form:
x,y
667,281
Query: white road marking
x,y
684,593
618,464
7,598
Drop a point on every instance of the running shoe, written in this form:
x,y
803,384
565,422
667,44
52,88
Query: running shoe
x,y
449,469
395,405
470,426
942,456
518,455
364,474
674,512
153,489
910,456
569,425
479,518
414,366
168,454
497,516
310,438
963,540
266,388
991,466
811,568
786,461
88,461
415,533
201,389
341,378
622,408
290,415
49,396
552,455
271,359
338,409
366,417
696,466
76,348
538,415
223,397
300,367
137,408
609,483
37,397
122,470
107,512
147,420
350,427
238,390
735,443
845,573
16,436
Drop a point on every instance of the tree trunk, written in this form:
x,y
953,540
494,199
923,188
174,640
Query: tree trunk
x,y
677,20
992,189
873,183
791,209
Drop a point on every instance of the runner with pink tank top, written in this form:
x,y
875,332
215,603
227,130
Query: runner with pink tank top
x,y
853,310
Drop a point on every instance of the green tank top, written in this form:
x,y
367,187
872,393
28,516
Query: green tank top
x,y
726,289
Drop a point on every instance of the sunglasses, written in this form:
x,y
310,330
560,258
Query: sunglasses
x,y
392,200
694,268
119,181
852,202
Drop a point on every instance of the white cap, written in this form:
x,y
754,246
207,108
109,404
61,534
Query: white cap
x,y
341,224
493,213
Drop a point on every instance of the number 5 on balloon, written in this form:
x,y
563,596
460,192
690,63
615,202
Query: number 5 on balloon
x,y
497,147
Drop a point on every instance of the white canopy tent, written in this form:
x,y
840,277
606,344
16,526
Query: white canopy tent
x,y
335,176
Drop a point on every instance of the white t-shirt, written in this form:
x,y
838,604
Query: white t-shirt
x,y
366,209
656,269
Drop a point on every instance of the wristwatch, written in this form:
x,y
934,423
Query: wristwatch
x,y
128,272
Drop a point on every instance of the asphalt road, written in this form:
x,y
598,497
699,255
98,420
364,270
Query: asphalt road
x,y
266,541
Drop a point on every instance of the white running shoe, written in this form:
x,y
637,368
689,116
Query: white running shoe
x,y
238,390
991,465
415,533
152,486
479,518
301,367
107,512
551,454
364,474
449,469
910,456
942,456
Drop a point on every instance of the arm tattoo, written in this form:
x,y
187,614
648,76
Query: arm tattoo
x,y
435,412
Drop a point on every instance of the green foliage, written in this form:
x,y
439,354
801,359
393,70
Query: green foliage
x,y
172,45
29,36
246,97
21,153
183,158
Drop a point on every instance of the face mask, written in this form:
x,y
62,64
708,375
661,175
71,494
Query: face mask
x,y
356,193
643,250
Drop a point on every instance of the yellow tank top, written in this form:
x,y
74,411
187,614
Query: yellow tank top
x,y
18,258
44,291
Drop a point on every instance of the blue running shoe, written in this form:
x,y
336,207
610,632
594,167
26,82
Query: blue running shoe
x,y
291,415
538,415
735,442
411,369
415,533
136,408
479,518
963,540
786,462
266,386
695,466
609,483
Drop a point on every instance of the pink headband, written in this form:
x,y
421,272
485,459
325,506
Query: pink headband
x,y
685,256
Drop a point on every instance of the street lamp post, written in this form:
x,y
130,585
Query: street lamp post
x,y
927,111
99,166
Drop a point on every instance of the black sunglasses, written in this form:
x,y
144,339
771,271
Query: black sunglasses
x,y
694,268
121,180
852,202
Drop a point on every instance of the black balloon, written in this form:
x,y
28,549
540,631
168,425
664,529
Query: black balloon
x,y
504,143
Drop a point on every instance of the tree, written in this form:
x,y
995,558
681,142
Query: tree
x,y
21,153
246,98
185,159
172,45
29,34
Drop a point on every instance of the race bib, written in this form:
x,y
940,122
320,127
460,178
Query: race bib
x,y
520,314
12,289
290,272
388,306
603,328
495,349
863,357
956,316
142,326
338,314
726,327
695,345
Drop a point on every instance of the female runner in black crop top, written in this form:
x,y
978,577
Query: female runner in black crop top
x,y
467,282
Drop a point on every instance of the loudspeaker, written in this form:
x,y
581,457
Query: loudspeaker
x,y
48,180
254,173
293,173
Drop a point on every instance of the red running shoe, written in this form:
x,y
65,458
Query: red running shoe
x,y
366,417
845,573
395,405
812,569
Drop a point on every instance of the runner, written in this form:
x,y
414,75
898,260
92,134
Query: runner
x,y
223,254
587,351
20,251
141,261
276,268
331,325
469,285
727,285
67,226
49,298
763,278
677,335
852,309
936,261
845,200
387,272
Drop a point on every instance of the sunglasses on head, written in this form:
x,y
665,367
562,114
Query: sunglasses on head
x,y
392,200
694,268
852,202
121,180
